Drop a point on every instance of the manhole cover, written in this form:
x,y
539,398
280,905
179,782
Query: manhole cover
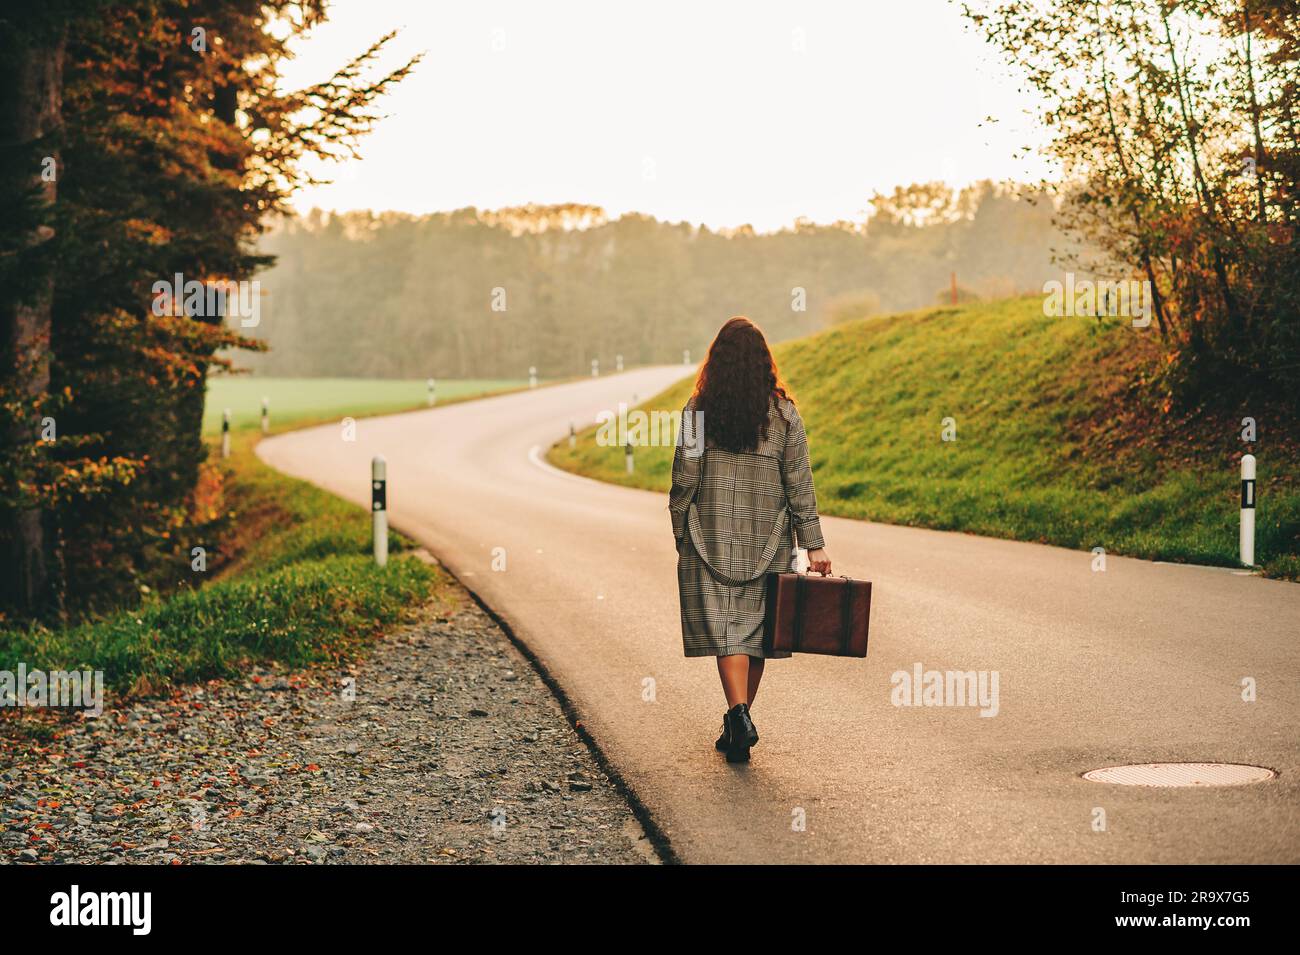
x,y
1180,774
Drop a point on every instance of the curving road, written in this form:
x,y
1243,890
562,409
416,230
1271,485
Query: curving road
x,y
1142,662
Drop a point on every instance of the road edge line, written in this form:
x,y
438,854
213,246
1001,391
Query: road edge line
x,y
537,458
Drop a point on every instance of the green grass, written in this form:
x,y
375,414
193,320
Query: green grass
x,y
298,400
293,581
1055,443
304,590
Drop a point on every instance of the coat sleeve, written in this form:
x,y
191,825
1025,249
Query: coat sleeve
x,y
686,480
796,474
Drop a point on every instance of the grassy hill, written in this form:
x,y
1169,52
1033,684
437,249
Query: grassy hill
x,y
1062,436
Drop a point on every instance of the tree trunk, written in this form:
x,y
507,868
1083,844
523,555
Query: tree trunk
x,y
1262,207
1205,195
31,77
1131,182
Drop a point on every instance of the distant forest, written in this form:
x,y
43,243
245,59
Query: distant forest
x,y
488,294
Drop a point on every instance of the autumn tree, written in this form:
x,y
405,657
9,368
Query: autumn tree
x,y
177,147
1175,123
32,49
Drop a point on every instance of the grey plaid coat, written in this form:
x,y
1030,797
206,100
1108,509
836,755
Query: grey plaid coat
x,y
743,512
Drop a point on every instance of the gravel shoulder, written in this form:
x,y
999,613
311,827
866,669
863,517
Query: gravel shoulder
x,y
443,745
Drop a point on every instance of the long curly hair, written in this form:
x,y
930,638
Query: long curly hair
x,y
737,385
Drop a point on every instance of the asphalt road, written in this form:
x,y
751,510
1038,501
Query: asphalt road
x,y
1143,662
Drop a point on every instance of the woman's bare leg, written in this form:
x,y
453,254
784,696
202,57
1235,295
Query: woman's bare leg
x,y
735,673
755,677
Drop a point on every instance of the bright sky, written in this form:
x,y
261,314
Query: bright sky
x,y
721,113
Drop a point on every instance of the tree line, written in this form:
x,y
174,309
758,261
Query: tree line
x,y
491,293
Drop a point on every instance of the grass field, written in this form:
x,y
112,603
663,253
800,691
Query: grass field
x,y
291,579
296,400
295,583
1057,438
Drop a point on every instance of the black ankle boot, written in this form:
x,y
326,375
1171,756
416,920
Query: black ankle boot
x,y
753,730
749,730
739,732
721,744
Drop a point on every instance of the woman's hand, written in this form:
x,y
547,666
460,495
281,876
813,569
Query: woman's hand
x,y
819,562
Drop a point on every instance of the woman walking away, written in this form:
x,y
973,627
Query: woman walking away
x,y
742,497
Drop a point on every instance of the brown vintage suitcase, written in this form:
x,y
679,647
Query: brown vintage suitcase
x,y
812,614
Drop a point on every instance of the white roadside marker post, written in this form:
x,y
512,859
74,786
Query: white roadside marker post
x,y
1248,510
532,376
686,356
627,454
266,416
595,368
225,433
618,362
432,386
379,507
573,435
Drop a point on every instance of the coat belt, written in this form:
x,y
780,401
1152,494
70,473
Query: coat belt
x,y
769,552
